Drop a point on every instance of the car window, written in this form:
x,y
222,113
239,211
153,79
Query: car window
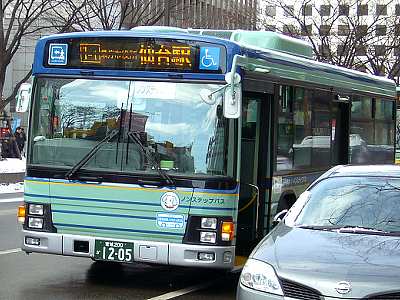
x,y
372,202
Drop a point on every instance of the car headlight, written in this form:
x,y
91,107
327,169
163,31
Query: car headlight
x,y
260,276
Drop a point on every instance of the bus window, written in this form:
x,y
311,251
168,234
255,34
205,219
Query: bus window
x,y
304,135
371,135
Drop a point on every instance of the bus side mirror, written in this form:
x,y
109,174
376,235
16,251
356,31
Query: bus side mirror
x,y
232,96
23,96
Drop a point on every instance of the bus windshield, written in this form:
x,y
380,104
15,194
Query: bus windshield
x,y
174,126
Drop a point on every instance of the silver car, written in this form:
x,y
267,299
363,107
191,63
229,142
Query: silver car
x,y
340,240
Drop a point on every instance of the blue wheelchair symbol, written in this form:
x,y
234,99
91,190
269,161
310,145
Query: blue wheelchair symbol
x,y
209,58
58,54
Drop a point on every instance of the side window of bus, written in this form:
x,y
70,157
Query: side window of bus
x,y
371,131
303,139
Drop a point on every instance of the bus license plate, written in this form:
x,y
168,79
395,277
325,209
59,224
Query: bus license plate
x,y
113,251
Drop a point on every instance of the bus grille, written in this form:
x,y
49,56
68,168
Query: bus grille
x,y
298,291
390,296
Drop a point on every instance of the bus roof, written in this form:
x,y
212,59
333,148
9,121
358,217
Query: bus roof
x,y
281,58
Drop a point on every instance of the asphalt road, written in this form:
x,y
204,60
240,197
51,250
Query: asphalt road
x,y
41,276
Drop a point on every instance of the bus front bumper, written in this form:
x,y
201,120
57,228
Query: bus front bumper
x,y
144,251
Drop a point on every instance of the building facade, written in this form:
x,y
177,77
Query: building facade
x,y
213,14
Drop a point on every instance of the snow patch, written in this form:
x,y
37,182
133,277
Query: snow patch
x,y
12,165
6,188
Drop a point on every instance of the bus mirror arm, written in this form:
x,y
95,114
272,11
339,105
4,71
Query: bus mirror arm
x,y
233,92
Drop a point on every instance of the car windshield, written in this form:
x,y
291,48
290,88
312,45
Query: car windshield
x,y
174,126
369,203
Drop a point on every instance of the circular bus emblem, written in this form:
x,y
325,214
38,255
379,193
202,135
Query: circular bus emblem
x,y
343,287
170,201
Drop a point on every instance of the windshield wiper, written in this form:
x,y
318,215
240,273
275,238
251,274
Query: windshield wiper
x,y
347,229
163,175
359,229
70,174
316,227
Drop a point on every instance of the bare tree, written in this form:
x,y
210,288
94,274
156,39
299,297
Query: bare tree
x,y
383,58
111,14
340,32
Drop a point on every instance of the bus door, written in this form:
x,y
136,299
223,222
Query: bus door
x,y
340,134
254,169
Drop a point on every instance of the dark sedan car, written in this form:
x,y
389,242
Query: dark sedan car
x,y
340,240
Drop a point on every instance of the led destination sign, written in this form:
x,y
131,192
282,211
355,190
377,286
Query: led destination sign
x,y
136,54
144,54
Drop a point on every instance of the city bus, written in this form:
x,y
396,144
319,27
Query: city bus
x,y
178,148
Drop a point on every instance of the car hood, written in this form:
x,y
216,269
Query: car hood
x,y
321,259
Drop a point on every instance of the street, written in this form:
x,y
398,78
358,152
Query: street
x,y
41,276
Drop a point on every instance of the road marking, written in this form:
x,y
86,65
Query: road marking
x,y
8,212
10,251
184,291
12,200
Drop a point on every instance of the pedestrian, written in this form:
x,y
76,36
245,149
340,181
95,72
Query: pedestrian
x,y
20,138
10,147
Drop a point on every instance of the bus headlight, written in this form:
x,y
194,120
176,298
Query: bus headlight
x,y
208,237
36,209
209,223
36,223
260,276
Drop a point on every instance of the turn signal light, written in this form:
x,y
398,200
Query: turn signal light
x,y
228,231
21,213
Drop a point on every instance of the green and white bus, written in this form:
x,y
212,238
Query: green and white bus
x,y
177,148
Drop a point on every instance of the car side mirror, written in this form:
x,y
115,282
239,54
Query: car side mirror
x,y
279,217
